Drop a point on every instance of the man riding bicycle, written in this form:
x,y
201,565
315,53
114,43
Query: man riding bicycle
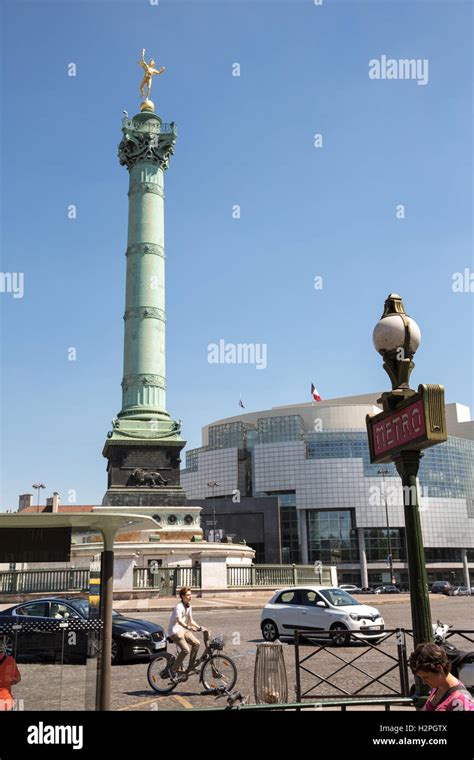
x,y
180,625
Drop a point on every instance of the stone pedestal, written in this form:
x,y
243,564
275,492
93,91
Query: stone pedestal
x,y
143,473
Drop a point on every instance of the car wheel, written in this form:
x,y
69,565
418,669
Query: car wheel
x,y
269,630
8,646
341,639
116,651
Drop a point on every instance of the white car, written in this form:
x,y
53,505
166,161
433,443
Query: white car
x,y
462,591
350,588
320,608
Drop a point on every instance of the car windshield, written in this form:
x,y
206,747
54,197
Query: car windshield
x,y
338,597
82,606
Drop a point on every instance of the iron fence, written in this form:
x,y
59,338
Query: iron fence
x,y
43,581
383,669
276,575
166,580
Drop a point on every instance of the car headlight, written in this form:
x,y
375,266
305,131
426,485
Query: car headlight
x,y
135,635
353,616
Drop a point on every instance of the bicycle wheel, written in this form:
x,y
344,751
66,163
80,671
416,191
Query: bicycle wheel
x,y
157,673
218,672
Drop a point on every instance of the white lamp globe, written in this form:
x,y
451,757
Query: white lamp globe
x,y
389,334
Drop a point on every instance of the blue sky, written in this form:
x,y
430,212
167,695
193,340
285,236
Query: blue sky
x,y
248,140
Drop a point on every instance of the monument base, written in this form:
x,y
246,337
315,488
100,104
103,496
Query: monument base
x,y
144,497
143,473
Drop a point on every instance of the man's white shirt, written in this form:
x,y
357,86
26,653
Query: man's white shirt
x,y
182,613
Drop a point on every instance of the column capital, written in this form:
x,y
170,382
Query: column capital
x,y
146,139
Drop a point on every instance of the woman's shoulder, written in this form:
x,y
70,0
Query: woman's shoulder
x,y
459,699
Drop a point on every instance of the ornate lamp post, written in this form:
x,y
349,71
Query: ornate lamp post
x,y
411,421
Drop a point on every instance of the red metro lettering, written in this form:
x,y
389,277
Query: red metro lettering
x,y
399,428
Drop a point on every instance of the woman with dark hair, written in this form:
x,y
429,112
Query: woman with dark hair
x,y
431,664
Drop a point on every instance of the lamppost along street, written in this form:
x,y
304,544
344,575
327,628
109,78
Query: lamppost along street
x,y
38,487
384,472
410,421
212,484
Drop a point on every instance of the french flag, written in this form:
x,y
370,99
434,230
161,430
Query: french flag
x,y
315,393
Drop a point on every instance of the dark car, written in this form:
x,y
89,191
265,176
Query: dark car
x,y
390,589
131,638
442,587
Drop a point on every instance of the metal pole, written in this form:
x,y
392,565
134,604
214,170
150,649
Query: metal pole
x,y
390,557
214,513
107,589
407,464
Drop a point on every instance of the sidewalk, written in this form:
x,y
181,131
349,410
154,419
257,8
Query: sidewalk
x,y
251,601
167,603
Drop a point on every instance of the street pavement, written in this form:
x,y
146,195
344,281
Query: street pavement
x,y
52,687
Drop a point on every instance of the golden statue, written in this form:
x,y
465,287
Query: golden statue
x,y
150,72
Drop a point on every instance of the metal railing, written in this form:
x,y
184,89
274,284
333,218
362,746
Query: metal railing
x,y
276,575
350,679
150,126
43,581
166,580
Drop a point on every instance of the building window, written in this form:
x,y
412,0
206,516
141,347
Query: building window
x,y
376,544
442,554
331,537
289,536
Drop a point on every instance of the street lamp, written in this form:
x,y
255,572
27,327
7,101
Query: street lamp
x,y
212,484
384,472
396,337
38,487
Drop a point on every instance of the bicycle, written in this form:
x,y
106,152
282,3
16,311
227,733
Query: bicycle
x,y
217,671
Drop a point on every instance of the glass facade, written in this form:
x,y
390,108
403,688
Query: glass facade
x,y
331,537
348,444
229,435
446,470
192,458
376,544
290,543
444,554
279,429
326,479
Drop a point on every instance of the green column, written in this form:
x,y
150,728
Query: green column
x,y
145,150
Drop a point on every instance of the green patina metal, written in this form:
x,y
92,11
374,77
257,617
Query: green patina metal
x,y
145,150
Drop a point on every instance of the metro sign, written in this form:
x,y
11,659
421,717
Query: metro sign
x,y
417,423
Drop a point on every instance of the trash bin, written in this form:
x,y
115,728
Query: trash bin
x,y
270,679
